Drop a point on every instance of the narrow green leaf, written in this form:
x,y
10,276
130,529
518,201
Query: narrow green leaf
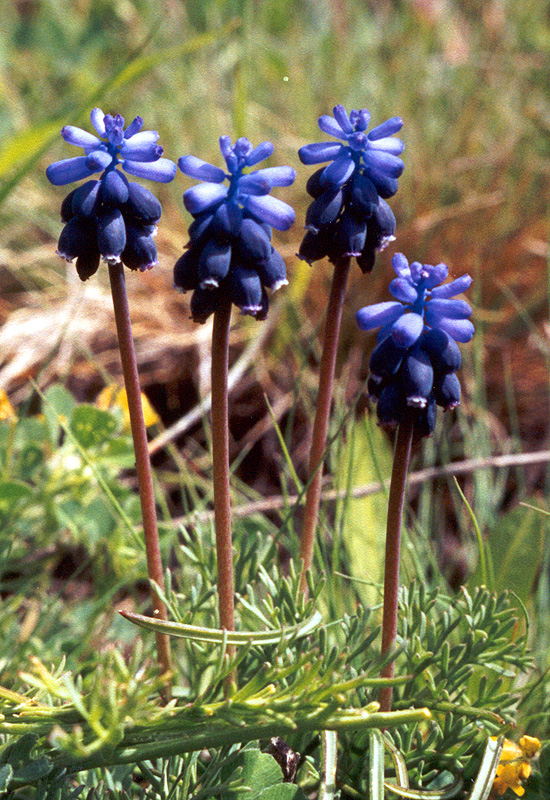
x,y
199,634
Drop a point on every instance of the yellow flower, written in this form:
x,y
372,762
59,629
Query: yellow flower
x,y
6,409
113,396
514,767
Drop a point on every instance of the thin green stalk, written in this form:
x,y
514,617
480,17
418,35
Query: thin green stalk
x,y
143,463
221,476
322,414
396,502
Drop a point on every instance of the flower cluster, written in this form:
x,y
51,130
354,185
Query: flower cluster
x,y
111,217
349,215
514,767
414,362
230,255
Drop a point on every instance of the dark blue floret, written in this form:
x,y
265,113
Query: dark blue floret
x,y
414,362
349,216
114,217
229,255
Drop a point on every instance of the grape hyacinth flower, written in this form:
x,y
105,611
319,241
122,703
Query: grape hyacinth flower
x,y
230,254
412,372
115,219
348,218
349,215
110,217
414,362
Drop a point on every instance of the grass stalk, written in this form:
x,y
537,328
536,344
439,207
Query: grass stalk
x,y
322,413
396,502
143,462
221,476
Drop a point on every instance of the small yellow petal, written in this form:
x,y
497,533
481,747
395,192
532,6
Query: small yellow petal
x,y
6,409
529,745
113,396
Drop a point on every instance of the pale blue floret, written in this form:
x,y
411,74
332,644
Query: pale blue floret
x,y
136,151
249,191
420,302
377,152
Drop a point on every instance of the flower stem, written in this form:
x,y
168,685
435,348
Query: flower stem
x,y
143,463
322,413
401,460
220,467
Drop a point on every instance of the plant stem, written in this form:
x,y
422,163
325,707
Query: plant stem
x,y
220,467
143,463
322,413
396,501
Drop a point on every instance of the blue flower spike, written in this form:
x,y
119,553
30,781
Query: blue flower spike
x,y
230,254
349,215
110,217
416,356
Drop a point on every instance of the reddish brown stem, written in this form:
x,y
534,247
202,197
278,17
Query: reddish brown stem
x,y
396,502
143,463
322,414
221,475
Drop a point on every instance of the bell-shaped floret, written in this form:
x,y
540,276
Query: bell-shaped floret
x,y
425,418
338,172
390,408
87,263
385,185
324,210
349,237
386,358
253,245
114,188
203,303
447,391
407,329
85,199
443,351
226,221
214,263
142,205
140,251
245,290
314,246
111,235
77,238
363,196
186,270
417,377
273,271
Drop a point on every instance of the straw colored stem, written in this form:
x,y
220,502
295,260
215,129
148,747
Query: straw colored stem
x,y
143,463
396,501
322,413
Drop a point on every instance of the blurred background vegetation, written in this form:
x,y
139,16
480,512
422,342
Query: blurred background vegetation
x,y
470,80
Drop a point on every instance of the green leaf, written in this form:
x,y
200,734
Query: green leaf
x,y
283,791
516,543
58,407
199,634
11,493
366,457
257,771
92,426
